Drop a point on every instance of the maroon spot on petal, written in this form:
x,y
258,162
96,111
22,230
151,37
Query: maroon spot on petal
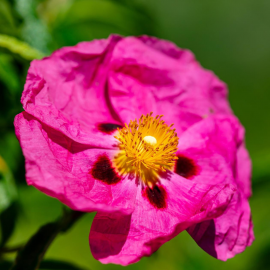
x,y
108,128
103,170
156,196
186,167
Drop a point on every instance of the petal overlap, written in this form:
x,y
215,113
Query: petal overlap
x,y
144,72
60,167
74,101
227,235
67,91
125,239
205,202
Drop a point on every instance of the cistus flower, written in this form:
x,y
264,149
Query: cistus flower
x,y
135,129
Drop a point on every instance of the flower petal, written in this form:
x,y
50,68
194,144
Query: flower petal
x,y
227,235
213,145
243,170
124,239
150,75
61,168
67,91
216,144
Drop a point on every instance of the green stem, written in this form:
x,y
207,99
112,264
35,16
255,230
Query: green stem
x,y
30,256
10,249
19,47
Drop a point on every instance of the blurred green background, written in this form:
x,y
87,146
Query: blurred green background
x,y
232,38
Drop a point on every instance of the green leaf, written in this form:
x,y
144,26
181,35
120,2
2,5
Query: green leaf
x,y
8,221
8,74
5,265
8,206
30,257
19,47
7,22
10,149
8,191
260,163
58,265
90,19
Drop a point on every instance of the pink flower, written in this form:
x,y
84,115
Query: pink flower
x,y
147,181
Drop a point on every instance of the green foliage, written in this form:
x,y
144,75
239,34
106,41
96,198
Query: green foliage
x,y
19,47
58,265
8,219
8,74
8,206
5,265
30,256
90,19
7,20
8,191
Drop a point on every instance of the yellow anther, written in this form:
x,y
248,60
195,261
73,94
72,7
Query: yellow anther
x,y
146,148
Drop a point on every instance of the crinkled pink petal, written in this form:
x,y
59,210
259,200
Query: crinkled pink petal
x,y
243,170
151,75
229,234
60,167
232,232
212,145
214,142
125,239
68,91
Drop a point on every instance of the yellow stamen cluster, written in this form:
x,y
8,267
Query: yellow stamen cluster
x,y
147,147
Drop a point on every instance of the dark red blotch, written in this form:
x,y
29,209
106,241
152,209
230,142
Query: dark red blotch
x,y
157,196
108,128
103,170
186,167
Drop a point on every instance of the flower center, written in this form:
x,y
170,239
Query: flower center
x,y
147,148
150,140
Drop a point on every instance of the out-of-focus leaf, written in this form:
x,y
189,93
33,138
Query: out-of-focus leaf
x,y
7,23
262,261
90,19
5,265
33,30
58,265
8,74
19,47
8,221
31,254
13,156
261,166
8,206
29,257
8,191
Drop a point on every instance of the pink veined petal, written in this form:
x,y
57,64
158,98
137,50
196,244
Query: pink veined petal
x,y
125,239
229,234
61,168
147,76
213,142
167,48
212,89
243,170
219,141
216,144
67,91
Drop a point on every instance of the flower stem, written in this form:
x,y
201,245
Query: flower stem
x,y
10,249
30,256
